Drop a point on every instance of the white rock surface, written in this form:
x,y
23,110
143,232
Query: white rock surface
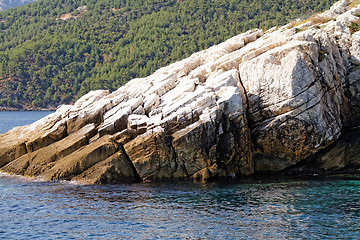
x,y
355,48
294,91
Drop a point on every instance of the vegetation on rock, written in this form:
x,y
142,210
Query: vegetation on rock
x,y
355,26
354,3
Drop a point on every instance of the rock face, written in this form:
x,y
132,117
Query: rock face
x,y
259,102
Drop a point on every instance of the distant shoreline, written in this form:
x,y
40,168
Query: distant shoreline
x,y
9,109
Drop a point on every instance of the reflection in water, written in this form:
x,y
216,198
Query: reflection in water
x,y
250,210
287,209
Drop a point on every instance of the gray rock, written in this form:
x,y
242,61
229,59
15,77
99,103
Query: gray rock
x,y
259,102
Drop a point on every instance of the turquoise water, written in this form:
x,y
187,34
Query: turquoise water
x,y
316,208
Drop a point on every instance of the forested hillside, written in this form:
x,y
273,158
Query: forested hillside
x,y
6,4
54,51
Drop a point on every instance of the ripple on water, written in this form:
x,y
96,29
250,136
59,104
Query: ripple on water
x,y
267,209
250,210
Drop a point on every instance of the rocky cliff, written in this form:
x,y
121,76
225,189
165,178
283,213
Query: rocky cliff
x,y
284,100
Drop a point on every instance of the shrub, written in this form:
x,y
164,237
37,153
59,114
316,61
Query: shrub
x,y
355,26
354,3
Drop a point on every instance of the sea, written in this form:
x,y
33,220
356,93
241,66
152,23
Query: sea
x,y
254,208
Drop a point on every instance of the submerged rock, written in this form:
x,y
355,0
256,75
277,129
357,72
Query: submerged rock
x,y
259,102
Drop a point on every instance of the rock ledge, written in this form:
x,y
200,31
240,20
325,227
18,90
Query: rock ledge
x,y
259,102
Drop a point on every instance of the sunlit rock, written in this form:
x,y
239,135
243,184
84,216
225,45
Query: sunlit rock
x,y
258,102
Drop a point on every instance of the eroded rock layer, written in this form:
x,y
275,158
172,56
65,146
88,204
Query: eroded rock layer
x,y
259,102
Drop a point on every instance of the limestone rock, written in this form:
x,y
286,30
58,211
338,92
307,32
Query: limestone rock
x,y
195,148
295,106
21,140
355,48
259,102
152,155
138,122
114,169
341,157
115,120
151,102
219,144
352,92
34,163
344,154
79,161
338,8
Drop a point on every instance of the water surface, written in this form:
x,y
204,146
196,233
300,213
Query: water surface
x,y
301,209
9,120
316,208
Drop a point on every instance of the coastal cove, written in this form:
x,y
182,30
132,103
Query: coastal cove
x,y
256,208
